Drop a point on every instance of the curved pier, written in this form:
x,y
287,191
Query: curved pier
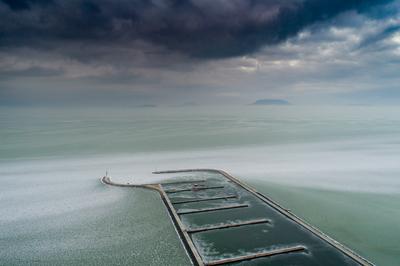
x,y
237,211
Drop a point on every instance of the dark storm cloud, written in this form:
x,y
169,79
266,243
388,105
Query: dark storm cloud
x,y
198,28
24,4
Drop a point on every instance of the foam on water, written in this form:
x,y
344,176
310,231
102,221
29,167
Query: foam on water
x,y
336,165
51,162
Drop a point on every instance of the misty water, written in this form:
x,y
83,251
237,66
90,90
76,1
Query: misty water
x,y
336,167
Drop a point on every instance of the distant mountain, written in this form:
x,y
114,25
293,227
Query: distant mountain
x,y
271,102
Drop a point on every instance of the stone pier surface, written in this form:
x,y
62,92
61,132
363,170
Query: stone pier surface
x,y
223,221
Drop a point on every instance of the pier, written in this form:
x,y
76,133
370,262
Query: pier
x,y
211,208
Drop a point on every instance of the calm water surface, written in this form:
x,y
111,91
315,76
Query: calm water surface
x,y
337,167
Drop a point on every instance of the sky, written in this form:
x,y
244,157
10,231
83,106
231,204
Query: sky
x,y
173,52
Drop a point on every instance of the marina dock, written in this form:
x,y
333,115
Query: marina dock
x,y
223,221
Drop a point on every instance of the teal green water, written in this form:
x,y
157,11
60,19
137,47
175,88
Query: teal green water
x,y
369,224
337,167
279,232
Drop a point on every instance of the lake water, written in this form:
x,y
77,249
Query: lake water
x,y
336,167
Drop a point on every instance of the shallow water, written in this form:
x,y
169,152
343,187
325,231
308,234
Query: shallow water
x,y
278,233
337,167
368,223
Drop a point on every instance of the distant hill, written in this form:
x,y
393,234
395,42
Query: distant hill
x,y
271,102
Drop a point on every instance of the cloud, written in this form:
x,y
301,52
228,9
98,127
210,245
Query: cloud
x,y
196,28
377,37
138,52
24,4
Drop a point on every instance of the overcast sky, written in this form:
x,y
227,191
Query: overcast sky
x,y
206,51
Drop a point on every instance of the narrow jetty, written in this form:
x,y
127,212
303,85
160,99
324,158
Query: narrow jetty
x,y
204,199
221,220
223,226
